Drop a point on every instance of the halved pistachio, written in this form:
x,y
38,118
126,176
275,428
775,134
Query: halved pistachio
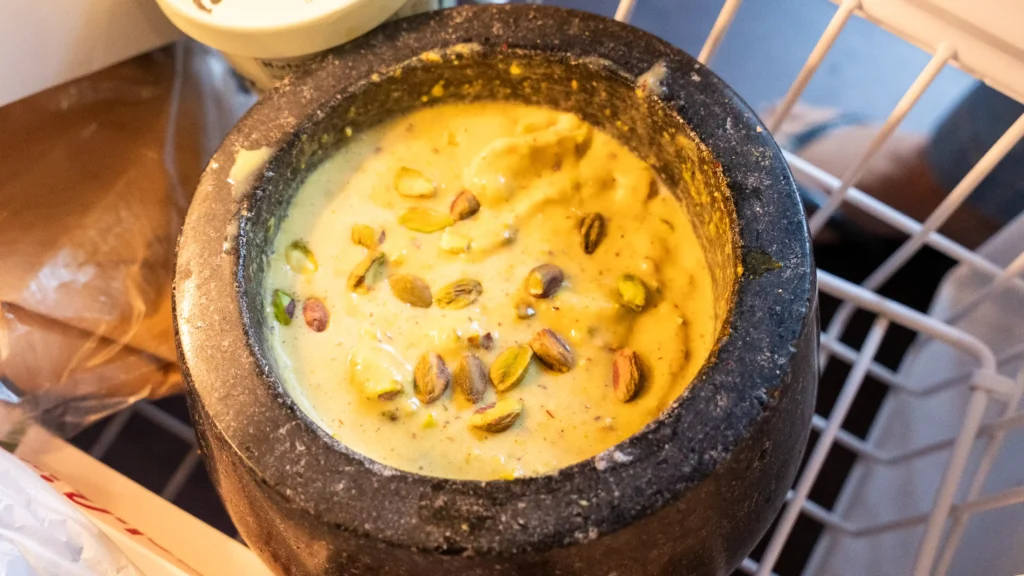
x,y
592,231
627,374
284,307
632,292
378,371
314,312
465,205
497,417
544,280
510,367
368,272
485,340
300,258
525,309
397,260
454,242
459,294
552,350
470,378
412,183
384,390
410,289
367,237
430,377
425,220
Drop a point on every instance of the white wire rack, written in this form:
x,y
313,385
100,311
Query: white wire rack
x,y
945,522
961,459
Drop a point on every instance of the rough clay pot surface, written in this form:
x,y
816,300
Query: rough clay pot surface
x,y
689,494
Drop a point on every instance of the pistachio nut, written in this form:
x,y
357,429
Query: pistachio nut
x,y
544,280
383,390
381,376
425,220
410,289
485,340
592,231
368,272
430,377
315,313
284,307
632,292
627,374
552,350
454,242
459,294
397,260
367,237
411,183
464,206
300,258
510,367
470,378
497,417
525,309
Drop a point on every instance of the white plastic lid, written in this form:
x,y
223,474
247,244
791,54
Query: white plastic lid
x,y
276,28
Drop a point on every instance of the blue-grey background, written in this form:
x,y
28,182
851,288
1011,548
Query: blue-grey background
x,y
866,72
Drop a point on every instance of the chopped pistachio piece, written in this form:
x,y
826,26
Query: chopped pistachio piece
x,y
367,237
397,260
412,183
485,340
632,292
497,417
425,220
454,242
544,280
459,294
368,272
464,206
378,372
284,307
525,309
383,390
300,258
592,231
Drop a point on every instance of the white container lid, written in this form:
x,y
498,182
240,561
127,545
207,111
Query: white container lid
x,y
276,28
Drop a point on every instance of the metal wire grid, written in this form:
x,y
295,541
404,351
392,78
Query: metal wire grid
x,y
986,383
165,421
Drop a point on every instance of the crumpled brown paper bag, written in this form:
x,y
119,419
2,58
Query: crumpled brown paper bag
x,y
95,179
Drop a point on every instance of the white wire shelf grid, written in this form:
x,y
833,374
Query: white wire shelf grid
x,y
945,522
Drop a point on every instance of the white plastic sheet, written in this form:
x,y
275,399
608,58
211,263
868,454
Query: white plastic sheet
x,y
43,534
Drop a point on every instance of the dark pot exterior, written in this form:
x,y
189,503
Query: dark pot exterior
x,y
690,494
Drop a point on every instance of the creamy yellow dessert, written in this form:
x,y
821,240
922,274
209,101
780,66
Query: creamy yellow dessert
x,y
483,291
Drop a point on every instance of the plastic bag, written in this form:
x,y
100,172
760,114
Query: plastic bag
x,y
97,175
41,532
